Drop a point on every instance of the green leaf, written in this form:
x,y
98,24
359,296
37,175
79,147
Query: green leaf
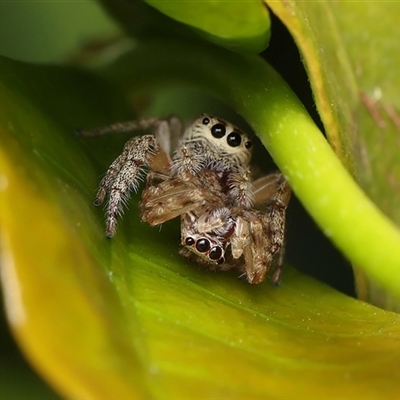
x,y
352,59
17,379
128,318
239,26
59,301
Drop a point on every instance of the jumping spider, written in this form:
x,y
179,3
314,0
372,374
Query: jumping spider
x,y
202,174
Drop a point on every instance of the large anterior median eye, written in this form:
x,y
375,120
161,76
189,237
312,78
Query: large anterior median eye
x,y
218,131
203,245
215,253
234,139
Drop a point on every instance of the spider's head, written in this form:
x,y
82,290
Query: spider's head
x,y
205,249
222,138
206,232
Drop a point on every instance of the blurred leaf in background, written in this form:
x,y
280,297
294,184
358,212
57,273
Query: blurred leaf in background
x,y
51,31
237,27
35,31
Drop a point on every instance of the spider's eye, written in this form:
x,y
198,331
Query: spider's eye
x,y
221,260
203,245
234,139
215,253
248,145
218,131
189,241
205,121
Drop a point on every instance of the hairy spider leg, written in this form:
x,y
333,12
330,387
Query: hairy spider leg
x,y
273,190
125,173
167,130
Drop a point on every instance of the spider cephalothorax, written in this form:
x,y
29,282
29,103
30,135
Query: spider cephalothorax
x,y
203,176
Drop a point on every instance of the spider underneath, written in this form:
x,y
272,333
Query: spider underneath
x,y
201,174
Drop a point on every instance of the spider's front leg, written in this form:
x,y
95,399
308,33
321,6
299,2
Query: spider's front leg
x,y
124,175
167,130
274,191
260,236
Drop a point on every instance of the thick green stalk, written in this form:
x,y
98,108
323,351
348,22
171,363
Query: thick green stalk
x,y
247,83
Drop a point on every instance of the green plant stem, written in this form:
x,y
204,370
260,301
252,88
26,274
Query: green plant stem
x,y
247,83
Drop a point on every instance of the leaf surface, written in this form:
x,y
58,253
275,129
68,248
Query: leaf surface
x,y
128,317
240,26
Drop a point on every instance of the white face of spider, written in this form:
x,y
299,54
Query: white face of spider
x,y
223,138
